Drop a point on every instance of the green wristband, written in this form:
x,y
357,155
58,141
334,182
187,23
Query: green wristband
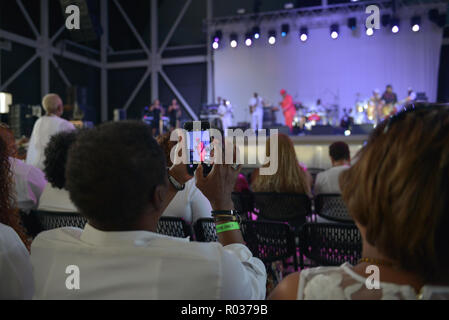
x,y
230,226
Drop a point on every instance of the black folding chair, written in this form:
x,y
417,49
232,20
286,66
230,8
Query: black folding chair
x,y
283,207
174,227
314,172
332,207
243,203
205,230
329,244
53,220
268,241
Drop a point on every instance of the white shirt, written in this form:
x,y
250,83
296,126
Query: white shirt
x,y
56,200
29,182
16,275
143,265
189,204
44,128
327,181
258,102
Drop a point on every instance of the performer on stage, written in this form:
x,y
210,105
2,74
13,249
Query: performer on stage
x,y
174,113
157,112
256,111
390,99
375,105
226,114
288,108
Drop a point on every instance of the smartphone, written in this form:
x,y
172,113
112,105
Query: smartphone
x,y
199,147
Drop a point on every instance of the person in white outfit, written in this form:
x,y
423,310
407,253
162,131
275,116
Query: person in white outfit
x,y
256,110
45,127
225,112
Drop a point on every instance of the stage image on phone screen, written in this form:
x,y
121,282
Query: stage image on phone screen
x,y
199,147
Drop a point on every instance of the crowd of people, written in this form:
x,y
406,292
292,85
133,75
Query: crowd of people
x,y
121,179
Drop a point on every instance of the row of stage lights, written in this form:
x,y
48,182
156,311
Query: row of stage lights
x,y
255,34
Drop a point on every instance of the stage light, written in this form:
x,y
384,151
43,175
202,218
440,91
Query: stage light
x,y
303,34
369,32
216,39
334,31
256,33
285,29
5,102
352,23
272,37
347,133
416,22
234,40
248,40
289,6
395,25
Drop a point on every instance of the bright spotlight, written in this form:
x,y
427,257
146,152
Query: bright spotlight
x,y
347,133
395,25
272,37
285,29
334,31
216,39
369,32
303,34
234,39
248,42
416,22
215,45
256,33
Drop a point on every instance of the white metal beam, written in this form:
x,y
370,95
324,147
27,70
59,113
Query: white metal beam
x,y
155,58
174,26
128,64
75,57
57,34
210,56
133,29
44,49
18,72
178,95
28,18
104,60
18,39
60,72
137,89
183,60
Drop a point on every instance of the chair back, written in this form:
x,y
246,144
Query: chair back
x,y
329,244
289,207
49,220
174,227
332,207
205,230
243,203
268,241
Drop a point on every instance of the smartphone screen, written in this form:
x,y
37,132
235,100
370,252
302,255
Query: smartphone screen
x,y
199,147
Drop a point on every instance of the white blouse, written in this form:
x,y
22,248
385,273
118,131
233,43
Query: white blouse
x,y
343,283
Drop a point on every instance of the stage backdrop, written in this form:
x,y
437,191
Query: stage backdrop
x,y
333,70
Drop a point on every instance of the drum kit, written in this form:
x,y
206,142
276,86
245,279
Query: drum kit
x,y
311,116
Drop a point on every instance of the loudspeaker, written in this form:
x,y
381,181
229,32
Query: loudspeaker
x,y
322,130
90,26
362,129
21,120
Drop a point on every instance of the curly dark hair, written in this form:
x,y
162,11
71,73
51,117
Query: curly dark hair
x,y
56,157
112,173
9,215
